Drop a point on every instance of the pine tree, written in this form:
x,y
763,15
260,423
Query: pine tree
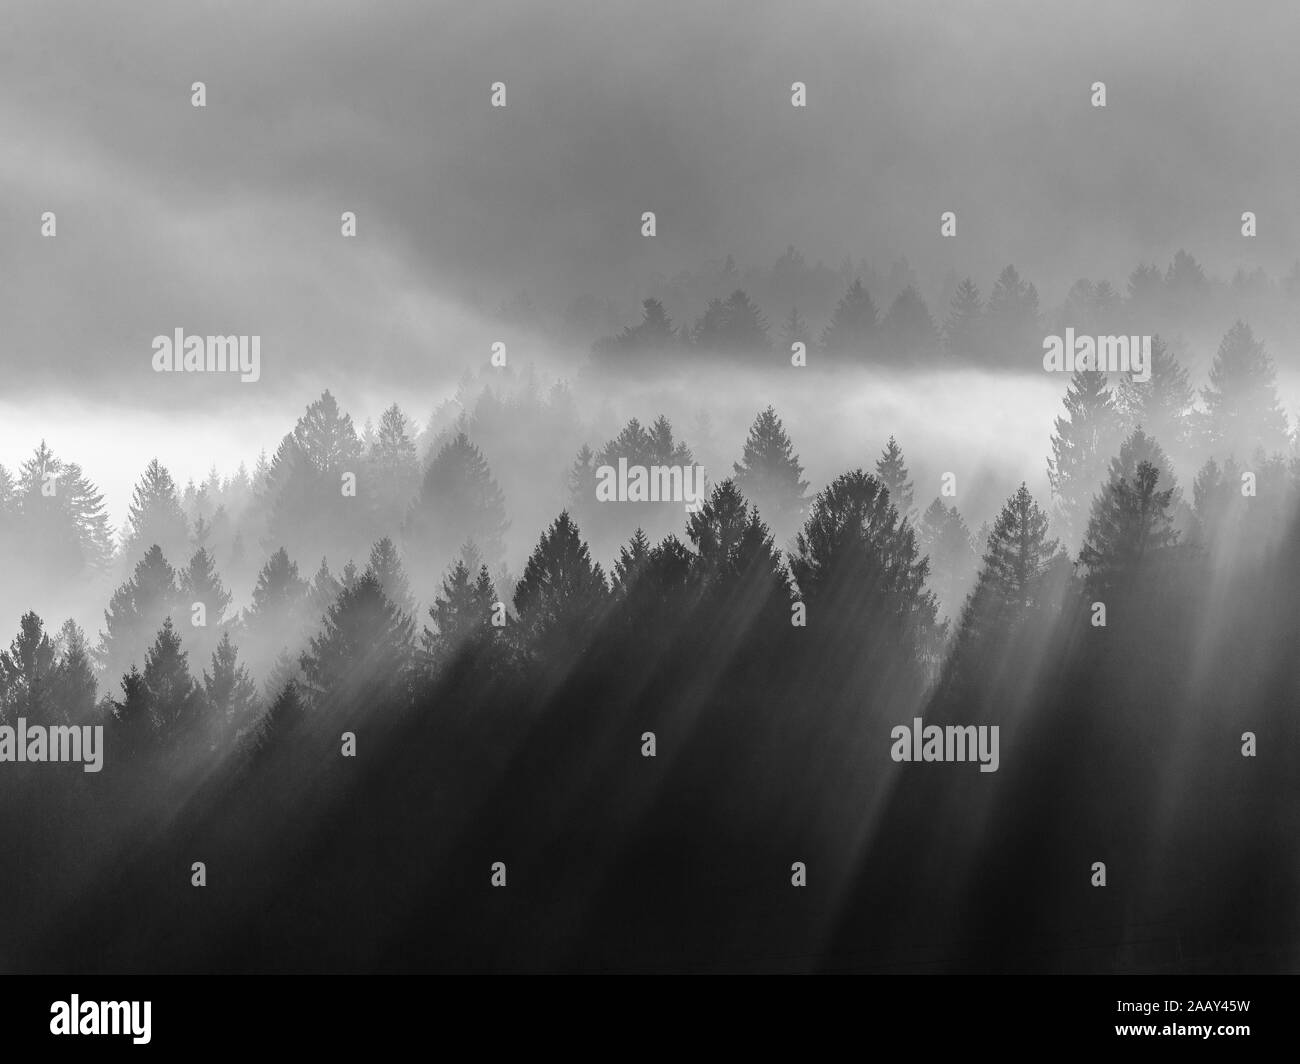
x,y
364,647
200,583
852,327
769,472
582,478
132,728
656,591
230,694
1185,281
1077,311
1012,315
285,715
1163,404
458,500
746,328
734,325
325,589
946,542
1145,288
562,596
302,498
276,614
963,328
795,330
387,569
1080,448
73,688
655,331
462,620
1021,573
173,697
1242,407
710,325
135,612
156,516
393,470
858,569
632,560
892,472
58,520
26,674
1105,307
738,566
327,436
1137,448
907,333
1130,521
285,669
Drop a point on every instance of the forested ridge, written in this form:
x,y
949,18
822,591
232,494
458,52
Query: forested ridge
x,y
660,712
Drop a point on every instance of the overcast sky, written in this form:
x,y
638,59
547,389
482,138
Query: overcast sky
x,y
226,219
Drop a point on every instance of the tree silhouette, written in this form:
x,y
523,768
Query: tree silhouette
x,y
458,500
562,596
654,332
1081,447
963,328
733,325
1011,317
892,473
795,329
907,331
174,701
364,647
302,495
324,589
1163,404
392,470
461,615
230,694
135,612
1015,570
275,615
58,520
200,582
132,730
1242,407
852,328
155,516
277,725
632,560
387,569
27,674
1022,577
858,568
1130,521
946,542
743,579
769,473
73,687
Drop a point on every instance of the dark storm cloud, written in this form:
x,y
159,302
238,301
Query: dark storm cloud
x,y
227,219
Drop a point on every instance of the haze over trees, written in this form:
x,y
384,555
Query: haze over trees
x,y
614,690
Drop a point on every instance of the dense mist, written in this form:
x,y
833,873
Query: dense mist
x,y
531,488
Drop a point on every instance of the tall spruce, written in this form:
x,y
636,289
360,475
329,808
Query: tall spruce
x,y
769,473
